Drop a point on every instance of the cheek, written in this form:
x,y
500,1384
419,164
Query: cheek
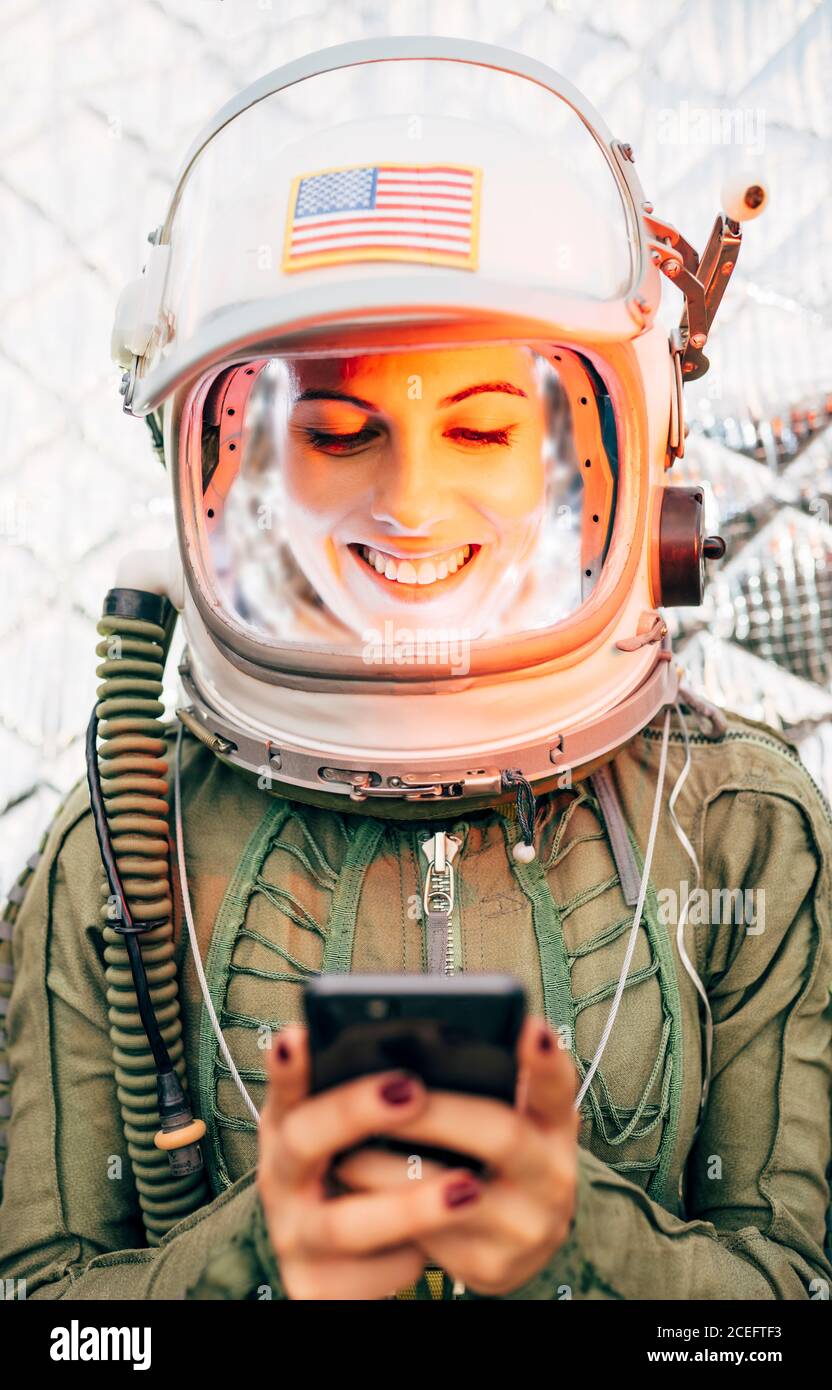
x,y
323,489
515,490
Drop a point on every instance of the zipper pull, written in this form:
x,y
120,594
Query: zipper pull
x,y
438,900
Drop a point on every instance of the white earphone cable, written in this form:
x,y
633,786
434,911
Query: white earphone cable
x,y
683,916
631,943
186,903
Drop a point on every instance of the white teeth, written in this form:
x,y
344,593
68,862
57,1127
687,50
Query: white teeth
x,y
423,572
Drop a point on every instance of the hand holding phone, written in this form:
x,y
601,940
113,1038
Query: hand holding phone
x,y
491,1233
456,1034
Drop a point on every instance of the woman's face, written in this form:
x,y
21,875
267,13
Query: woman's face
x,y
415,483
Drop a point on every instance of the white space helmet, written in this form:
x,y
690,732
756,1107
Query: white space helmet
x,y
398,331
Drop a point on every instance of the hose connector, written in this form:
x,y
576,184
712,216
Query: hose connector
x,y
180,1133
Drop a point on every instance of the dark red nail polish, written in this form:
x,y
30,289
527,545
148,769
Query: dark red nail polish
x,y
398,1092
283,1051
461,1192
544,1042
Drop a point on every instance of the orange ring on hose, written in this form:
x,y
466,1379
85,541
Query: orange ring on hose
x,y
178,1138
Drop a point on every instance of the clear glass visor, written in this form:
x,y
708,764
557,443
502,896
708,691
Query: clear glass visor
x,y
383,496
378,169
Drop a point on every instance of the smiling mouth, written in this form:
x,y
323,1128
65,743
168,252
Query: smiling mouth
x,y
422,571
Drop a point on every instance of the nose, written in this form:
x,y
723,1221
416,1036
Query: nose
x,y
409,494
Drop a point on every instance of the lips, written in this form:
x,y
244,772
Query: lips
x,y
423,571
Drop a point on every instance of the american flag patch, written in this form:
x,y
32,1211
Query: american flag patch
x,y
384,212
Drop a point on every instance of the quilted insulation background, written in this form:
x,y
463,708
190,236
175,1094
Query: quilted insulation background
x,y
100,100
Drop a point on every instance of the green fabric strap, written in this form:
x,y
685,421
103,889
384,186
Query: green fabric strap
x,y
558,1004
230,919
364,841
337,954
561,1009
660,1188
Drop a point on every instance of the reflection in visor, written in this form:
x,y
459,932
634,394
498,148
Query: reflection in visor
x,y
447,490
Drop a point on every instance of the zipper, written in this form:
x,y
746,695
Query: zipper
x,y
737,737
439,902
443,934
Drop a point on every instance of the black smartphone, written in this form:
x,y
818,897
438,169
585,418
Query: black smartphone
x,y
457,1033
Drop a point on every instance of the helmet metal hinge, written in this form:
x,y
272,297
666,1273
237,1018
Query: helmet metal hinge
x,y
678,429
702,281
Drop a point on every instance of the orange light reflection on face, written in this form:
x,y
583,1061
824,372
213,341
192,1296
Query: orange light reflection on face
x,y
434,461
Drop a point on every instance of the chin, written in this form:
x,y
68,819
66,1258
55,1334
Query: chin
x,y
360,606
436,615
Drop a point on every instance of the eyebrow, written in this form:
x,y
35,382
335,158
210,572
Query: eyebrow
x,y
323,394
506,387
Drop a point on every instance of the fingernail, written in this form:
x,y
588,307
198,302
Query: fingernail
x,y
544,1041
459,1193
283,1051
398,1091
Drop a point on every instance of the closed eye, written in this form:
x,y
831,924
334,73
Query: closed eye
x,y
339,443
461,435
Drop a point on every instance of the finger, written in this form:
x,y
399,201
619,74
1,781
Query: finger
x,y
502,1236
371,1276
312,1133
367,1223
513,1217
287,1072
480,1265
507,1141
548,1080
372,1170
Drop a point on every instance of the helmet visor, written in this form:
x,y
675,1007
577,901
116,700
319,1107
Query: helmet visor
x,y
420,168
392,498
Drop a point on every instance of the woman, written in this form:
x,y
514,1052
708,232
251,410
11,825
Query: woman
x,y
670,1136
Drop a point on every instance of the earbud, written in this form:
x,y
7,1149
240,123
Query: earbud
x,y
744,196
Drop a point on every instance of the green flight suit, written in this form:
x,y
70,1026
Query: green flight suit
x,y
281,890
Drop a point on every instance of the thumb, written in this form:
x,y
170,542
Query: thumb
x,y
288,1072
547,1077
